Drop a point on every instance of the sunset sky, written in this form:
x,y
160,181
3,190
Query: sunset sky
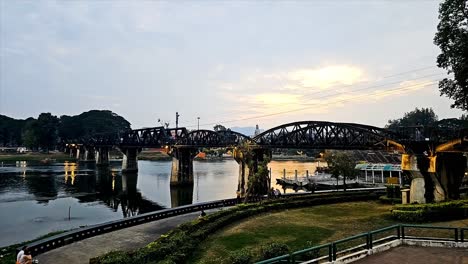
x,y
236,63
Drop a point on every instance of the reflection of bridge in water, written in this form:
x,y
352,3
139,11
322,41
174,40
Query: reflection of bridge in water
x,y
431,155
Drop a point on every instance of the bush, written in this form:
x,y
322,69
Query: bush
x,y
274,249
393,191
242,256
431,212
177,245
385,200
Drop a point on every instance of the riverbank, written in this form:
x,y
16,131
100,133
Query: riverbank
x,y
8,253
56,156
298,229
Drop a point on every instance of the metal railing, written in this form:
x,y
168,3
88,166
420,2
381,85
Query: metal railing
x,y
63,239
314,255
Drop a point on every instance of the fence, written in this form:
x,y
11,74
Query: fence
x,y
330,252
62,239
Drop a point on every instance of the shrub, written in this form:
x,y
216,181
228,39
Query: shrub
x,y
242,256
385,200
393,191
274,249
431,212
177,245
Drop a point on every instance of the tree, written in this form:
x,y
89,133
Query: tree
x,y
92,122
452,39
219,128
341,164
423,116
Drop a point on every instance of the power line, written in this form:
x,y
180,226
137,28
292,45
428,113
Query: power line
x,y
305,97
305,108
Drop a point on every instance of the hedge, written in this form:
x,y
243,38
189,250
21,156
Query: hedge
x,y
177,245
431,212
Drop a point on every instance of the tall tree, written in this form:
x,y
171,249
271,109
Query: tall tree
x,y
341,164
423,116
452,39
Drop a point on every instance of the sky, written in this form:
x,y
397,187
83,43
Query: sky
x,y
235,63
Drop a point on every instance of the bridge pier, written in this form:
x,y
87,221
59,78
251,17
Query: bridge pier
x,y
436,178
252,162
85,153
89,154
130,159
182,166
102,156
72,151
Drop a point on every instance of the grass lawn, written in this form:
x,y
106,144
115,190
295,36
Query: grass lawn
x,y
299,228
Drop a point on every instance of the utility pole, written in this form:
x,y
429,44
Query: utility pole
x,y
198,124
177,120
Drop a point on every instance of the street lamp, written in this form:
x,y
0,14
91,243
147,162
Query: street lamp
x,y
198,125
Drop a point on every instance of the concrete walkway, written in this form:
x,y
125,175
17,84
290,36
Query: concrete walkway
x,y
418,255
125,239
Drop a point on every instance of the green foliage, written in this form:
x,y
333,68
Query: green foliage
x,y
10,131
386,200
423,116
431,212
8,253
219,127
452,39
242,256
41,132
45,131
181,242
393,191
272,250
91,122
341,163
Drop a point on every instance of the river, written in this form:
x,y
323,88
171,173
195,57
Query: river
x,y
37,199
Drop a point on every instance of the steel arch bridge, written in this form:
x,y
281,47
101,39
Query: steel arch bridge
x,y
325,135
300,135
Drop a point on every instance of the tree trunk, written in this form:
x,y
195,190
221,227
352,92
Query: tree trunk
x,y
344,183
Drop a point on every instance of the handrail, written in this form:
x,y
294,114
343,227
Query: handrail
x,y
369,240
62,239
316,248
276,259
454,229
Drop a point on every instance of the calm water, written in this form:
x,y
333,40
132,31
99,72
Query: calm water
x,y
36,199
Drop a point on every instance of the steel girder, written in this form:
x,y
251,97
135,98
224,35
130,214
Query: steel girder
x,y
324,135
208,138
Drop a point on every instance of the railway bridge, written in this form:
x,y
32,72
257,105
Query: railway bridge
x,y
431,156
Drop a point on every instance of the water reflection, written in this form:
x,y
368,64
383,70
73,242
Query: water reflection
x,y
37,196
181,195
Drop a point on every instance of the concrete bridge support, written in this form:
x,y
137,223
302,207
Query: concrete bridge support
x,y
252,162
182,166
85,153
72,151
434,179
89,154
102,156
130,159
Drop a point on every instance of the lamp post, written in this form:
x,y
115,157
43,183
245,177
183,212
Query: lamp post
x,y
198,123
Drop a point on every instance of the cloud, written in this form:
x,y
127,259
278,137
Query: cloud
x,y
326,77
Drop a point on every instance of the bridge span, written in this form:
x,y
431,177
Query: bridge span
x,y
432,156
